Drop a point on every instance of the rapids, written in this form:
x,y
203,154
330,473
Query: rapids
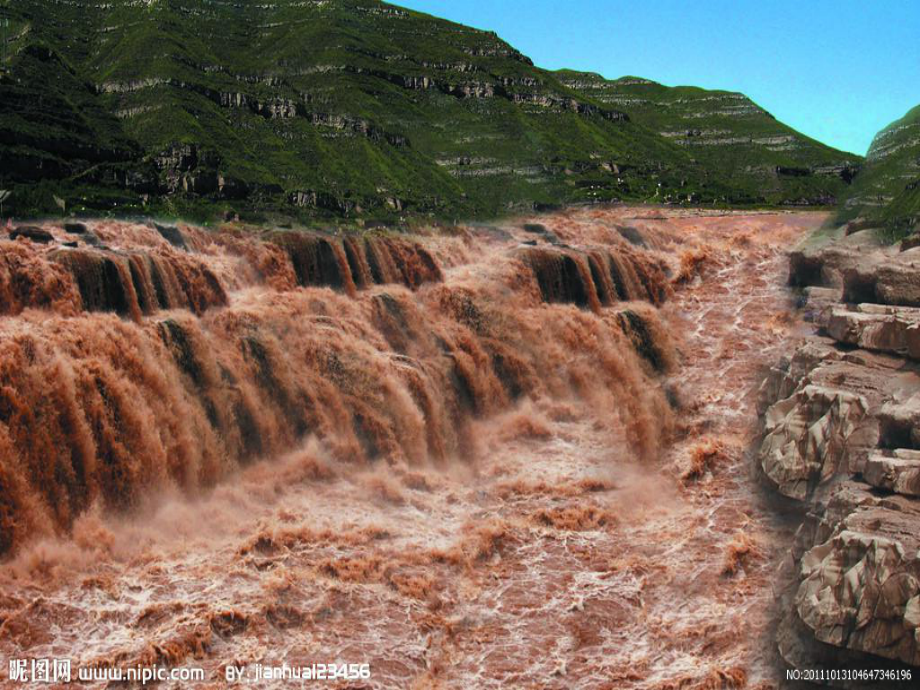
x,y
489,456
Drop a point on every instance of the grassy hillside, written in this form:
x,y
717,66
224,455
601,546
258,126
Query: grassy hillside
x,y
329,108
887,190
760,159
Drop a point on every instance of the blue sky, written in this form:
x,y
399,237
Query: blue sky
x,y
837,70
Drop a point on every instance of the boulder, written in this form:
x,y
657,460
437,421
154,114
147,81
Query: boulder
x,y
898,471
858,582
823,410
807,434
32,233
172,234
874,327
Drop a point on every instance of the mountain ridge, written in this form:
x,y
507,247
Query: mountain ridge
x,y
727,130
886,193
327,109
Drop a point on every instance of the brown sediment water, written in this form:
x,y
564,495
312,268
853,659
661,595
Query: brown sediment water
x,y
503,456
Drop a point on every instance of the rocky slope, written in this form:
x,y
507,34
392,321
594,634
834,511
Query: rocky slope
x,y
840,441
887,191
344,107
724,131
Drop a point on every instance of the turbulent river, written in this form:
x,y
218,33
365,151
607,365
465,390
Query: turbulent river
x,y
507,456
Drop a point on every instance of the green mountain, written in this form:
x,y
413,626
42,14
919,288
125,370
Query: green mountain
x,y
761,159
887,190
348,107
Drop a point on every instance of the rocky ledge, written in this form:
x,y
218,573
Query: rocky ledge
x,y
841,441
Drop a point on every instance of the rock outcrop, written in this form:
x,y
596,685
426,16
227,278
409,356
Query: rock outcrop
x,y
841,438
875,327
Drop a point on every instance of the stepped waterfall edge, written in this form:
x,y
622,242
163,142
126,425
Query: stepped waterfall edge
x,y
472,457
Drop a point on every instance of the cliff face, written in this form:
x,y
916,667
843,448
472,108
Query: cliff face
x,y
348,107
746,152
840,440
887,191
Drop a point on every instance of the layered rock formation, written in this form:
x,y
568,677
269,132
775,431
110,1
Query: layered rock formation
x,y
841,439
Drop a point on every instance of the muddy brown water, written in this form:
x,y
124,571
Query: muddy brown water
x,y
452,481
